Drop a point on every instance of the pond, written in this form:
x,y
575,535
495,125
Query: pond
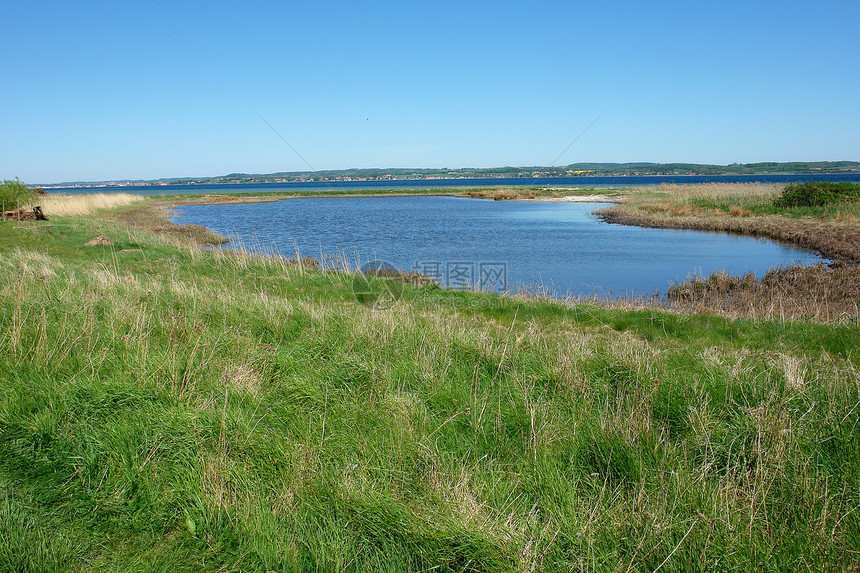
x,y
559,248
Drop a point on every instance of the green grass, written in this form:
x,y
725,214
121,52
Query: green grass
x,y
174,409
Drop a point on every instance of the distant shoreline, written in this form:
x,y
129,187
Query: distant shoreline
x,y
441,183
581,170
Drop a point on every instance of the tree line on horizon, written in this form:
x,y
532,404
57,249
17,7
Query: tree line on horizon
x,y
584,169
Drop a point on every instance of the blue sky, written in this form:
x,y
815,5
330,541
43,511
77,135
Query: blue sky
x,y
151,88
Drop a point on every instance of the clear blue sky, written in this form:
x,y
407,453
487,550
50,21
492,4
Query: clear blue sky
x,y
155,88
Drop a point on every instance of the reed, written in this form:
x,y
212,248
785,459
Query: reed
x,y
85,204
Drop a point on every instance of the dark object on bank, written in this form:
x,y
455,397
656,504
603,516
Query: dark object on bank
x,y
22,214
37,211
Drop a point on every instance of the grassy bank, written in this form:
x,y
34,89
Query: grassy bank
x,y
745,208
165,407
822,293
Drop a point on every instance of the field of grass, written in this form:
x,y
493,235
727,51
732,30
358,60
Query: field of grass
x,y
169,408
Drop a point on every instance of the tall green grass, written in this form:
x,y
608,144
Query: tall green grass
x,y
169,408
15,193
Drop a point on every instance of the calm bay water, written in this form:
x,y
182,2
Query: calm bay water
x,y
317,186
504,245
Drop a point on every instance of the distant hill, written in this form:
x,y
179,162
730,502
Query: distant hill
x,y
572,170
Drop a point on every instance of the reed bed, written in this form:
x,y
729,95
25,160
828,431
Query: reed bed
x,y
817,293
744,194
85,204
825,294
745,208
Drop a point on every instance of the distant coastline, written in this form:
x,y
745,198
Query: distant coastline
x,y
578,171
424,185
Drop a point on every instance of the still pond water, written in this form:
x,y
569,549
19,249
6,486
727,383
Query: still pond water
x,y
501,245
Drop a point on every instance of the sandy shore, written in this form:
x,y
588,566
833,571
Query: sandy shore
x,y
579,199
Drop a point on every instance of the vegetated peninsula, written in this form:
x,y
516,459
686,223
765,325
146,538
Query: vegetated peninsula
x,y
572,170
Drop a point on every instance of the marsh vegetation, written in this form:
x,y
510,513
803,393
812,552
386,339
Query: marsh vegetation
x,y
165,406
821,293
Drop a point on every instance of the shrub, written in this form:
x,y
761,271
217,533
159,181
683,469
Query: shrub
x,y
818,194
13,191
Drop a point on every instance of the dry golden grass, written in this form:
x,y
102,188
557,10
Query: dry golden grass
x,y
736,211
756,193
89,204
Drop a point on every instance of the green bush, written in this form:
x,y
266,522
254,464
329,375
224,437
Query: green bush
x,y
14,191
818,194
